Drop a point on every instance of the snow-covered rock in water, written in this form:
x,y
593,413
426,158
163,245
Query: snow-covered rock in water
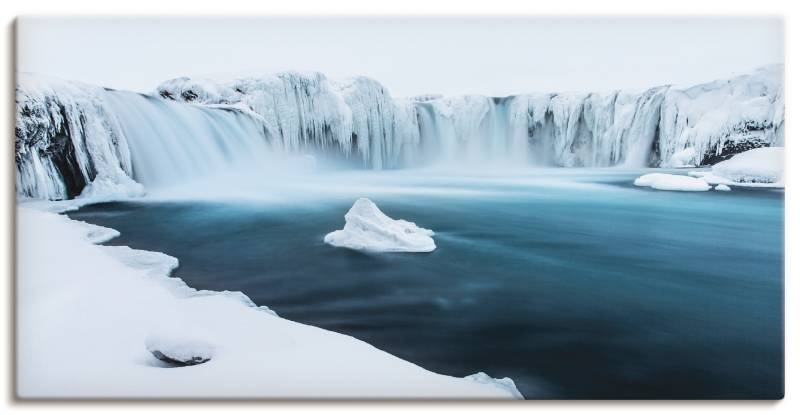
x,y
82,315
178,351
723,188
663,181
367,228
757,166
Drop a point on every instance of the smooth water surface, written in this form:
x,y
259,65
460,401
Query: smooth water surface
x,y
577,285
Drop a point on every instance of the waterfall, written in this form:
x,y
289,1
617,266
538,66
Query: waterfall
x,y
471,131
72,136
173,143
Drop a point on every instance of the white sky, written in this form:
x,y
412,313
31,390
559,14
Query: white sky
x,y
499,56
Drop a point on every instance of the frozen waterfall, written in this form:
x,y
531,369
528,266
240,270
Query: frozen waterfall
x,y
69,134
173,143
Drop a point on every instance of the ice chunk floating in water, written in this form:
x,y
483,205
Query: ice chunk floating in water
x,y
662,181
367,228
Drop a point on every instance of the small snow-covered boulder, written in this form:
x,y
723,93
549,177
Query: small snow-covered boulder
x,y
178,351
663,181
723,188
759,165
367,228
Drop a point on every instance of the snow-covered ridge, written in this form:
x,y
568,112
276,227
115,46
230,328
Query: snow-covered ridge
x,y
120,309
70,134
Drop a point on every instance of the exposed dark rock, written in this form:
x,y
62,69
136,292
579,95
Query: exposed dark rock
x,y
747,137
189,95
166,94
194,360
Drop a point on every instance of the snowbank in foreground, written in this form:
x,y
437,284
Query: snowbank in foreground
x,y
367,228
86,321
662,181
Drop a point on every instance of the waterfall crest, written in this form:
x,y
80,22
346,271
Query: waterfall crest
x,y
70,135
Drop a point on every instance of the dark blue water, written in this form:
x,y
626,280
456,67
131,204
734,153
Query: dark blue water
x,y
574,292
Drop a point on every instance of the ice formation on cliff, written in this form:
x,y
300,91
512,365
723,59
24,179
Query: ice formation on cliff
x,y
71,134
66,137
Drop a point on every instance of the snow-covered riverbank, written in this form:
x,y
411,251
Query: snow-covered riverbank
x,y
760,167
87,314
